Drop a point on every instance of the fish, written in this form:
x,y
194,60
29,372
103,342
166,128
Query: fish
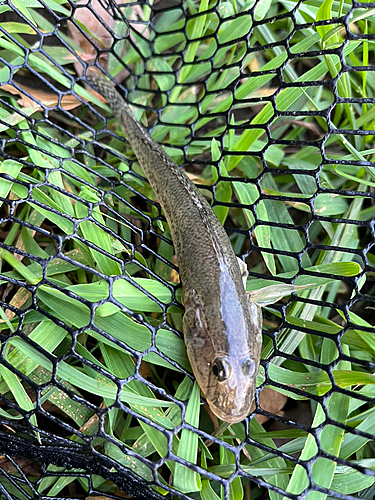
x,y
222,323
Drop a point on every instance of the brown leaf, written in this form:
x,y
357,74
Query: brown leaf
x,y
48,99
270,401
309,125
99,28
17,301
174,276
28,467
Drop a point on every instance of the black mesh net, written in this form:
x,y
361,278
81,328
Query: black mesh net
x,y
269,106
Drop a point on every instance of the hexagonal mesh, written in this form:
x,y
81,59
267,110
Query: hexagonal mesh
x,y
269,106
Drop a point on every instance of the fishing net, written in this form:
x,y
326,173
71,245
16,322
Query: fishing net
x,y
268,106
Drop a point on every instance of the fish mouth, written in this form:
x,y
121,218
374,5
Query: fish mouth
x,y
230,415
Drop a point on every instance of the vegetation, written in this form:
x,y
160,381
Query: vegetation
x,y
280,137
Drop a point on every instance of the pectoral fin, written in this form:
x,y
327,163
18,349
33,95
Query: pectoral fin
x,y
244,271
271,294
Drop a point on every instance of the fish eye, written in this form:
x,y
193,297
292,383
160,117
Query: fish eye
x,y
248,367
221,369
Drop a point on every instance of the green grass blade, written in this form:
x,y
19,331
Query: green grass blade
x,y
185,479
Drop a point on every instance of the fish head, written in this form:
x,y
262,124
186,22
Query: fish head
x,y
226,377
232,386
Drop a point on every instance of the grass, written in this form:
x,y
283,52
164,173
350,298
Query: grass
x,y
92,314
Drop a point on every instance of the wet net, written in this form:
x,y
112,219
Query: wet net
x,y
269,106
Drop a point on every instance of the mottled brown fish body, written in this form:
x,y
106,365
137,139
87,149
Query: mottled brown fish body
x,y
222,328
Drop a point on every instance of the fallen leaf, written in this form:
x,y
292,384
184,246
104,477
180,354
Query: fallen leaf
x,y
98,32
20,297
47,99
270,401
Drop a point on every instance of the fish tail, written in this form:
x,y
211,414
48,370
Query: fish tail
x,y
116,102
